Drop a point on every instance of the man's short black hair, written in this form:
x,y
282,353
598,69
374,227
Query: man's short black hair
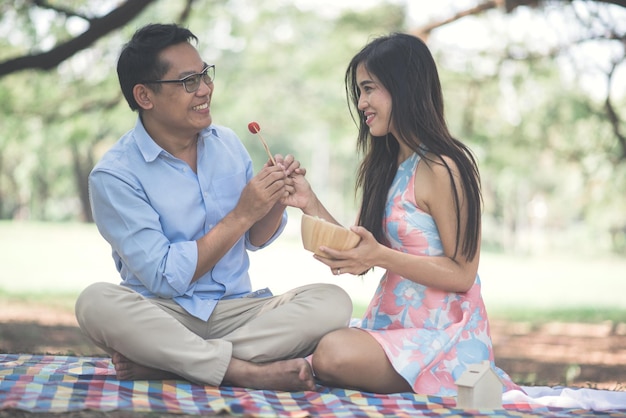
x,y
139,59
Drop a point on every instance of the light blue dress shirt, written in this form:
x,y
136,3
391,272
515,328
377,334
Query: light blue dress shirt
x,y
151,207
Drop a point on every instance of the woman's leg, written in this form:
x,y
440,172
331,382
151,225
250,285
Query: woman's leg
x,y
351,358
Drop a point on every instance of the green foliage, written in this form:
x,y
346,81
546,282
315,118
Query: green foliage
x,y
548,156
285,69
537,316
279,65
63,301
541,316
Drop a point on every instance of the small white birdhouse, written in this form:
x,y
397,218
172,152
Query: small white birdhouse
x,y
479,387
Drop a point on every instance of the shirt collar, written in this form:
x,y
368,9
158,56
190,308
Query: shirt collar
x,y
150,150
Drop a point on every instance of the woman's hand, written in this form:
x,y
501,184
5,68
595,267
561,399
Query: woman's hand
x,y
302,195
290,164
355,261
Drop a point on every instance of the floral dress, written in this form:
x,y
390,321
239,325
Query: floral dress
x,y
430,336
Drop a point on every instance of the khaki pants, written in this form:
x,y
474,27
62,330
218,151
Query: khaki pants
x,y
158,333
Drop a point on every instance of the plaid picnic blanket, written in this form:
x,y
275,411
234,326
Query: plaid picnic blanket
x,y
50,383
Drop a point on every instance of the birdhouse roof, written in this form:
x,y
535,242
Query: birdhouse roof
x,y
475,373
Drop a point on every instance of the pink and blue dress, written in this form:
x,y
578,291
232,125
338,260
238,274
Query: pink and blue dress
x,y
430,336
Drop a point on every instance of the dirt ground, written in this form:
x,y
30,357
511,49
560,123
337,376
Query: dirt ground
x,y
551,354
570,354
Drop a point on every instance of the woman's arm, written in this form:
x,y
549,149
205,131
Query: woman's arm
x,y
449,272
305,198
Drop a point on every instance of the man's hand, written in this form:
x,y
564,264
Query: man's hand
x,y
263,191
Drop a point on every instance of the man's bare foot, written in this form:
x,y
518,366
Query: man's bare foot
x,y
126,369
287,375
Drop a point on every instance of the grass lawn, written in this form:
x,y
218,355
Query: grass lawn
x,y
49,263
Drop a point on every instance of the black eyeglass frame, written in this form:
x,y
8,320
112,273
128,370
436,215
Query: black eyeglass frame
x,y
207,75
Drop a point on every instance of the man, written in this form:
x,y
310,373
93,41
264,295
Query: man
x,y
178,202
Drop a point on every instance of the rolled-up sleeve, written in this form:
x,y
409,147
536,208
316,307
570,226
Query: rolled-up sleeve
x,y
131,225
281,227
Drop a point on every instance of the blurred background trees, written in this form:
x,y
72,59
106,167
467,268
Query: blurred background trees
x,y
536,88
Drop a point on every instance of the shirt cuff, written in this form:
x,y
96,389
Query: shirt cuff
x,y
180,267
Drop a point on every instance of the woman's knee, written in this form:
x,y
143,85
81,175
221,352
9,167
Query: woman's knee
x,y
330,357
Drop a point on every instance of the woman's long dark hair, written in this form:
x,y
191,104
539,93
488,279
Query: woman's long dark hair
x,y
406,68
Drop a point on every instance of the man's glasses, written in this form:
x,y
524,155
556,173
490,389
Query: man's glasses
x,y
192,81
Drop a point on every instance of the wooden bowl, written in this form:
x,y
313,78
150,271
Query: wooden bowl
x,y
317,232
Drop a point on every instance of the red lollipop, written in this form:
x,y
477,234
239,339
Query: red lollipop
x,y
256,129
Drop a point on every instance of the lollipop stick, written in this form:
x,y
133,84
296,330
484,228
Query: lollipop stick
x,y
267,149
255,129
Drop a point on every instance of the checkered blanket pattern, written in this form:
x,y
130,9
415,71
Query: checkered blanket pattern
x,y
53,384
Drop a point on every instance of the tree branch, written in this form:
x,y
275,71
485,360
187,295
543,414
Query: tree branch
x,y
424,31
184,14
62,10
98,27
508,5
614,118
511,5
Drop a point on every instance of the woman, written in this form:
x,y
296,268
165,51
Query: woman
x,y
420,221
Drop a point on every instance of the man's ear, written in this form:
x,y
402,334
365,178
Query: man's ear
x,y
143,96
